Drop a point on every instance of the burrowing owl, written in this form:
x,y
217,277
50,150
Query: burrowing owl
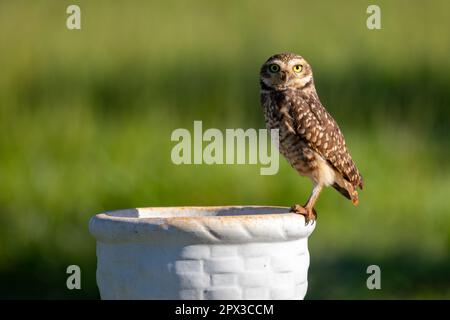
x,y
310,138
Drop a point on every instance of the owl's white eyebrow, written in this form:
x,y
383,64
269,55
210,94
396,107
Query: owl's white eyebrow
x,y
276,61
295,61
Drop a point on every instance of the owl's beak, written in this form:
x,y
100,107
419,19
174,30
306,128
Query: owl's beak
x,y
283,75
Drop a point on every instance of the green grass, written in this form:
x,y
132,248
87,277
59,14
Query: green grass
x,y
86,118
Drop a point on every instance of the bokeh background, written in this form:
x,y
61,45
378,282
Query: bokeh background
x,y
86,118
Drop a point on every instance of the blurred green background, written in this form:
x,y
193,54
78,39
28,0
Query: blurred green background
x,y
86,118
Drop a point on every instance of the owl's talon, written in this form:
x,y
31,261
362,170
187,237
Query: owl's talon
x,y
313,215
296,208
309,214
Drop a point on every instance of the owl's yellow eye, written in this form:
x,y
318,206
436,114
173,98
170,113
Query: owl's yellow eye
x,y
297,68
274,68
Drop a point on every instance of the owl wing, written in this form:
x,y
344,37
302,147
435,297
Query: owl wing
x,y
314,124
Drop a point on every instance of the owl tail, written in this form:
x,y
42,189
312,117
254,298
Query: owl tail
x,y
347,190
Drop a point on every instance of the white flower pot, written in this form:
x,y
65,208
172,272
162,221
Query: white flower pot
x,y
246,252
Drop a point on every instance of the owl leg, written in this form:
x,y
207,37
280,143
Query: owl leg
x,y
308,209
309,206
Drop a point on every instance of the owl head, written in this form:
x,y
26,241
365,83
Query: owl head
x,y
286,71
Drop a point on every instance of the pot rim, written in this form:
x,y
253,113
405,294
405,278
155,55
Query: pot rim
x,y
248,223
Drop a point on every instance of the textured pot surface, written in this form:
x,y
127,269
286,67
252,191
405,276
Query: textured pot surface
x,y
249,252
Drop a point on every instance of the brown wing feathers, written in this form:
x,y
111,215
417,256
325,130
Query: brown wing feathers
x,y
315,125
